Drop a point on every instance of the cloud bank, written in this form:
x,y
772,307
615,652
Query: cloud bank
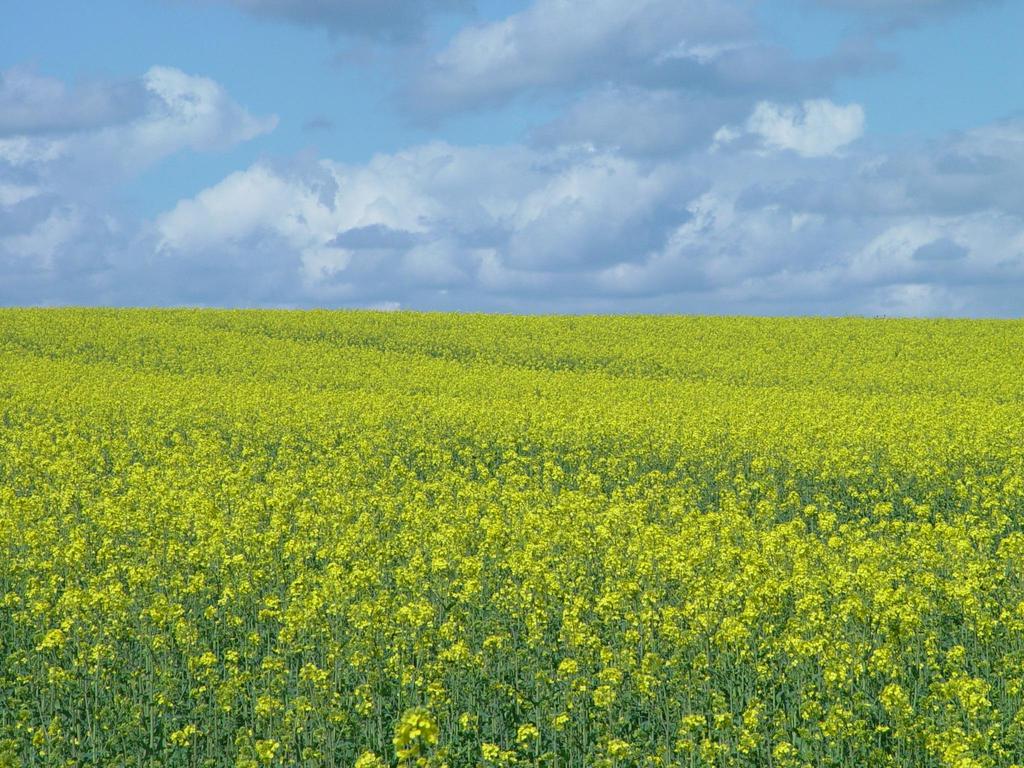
x,y
753,230
685,163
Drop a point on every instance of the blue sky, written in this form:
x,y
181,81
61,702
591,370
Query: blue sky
x,y
691,156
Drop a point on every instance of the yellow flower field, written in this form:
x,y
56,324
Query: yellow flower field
x,y
233,538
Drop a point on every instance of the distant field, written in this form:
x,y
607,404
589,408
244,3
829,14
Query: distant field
x,y
361,539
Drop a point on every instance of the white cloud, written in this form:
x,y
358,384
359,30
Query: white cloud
x,y
236,208
593,211
562,229
181,112
647,52
644,195
186,112
815,129
194,112
564,42
510,228
31,103
12,194
546,211
27,151
43,242
71,148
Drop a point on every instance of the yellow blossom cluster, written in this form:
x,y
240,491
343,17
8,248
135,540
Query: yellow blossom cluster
x,y
246,539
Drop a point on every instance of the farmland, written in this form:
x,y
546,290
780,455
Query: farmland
x,y
234,538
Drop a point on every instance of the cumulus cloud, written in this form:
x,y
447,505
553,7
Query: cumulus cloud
x,y
395,19
966,173
31,103
187,112
54,251
712,48
61,148
591,212
562,228
816,128
435,215
565,42
92,148
694,167
573,229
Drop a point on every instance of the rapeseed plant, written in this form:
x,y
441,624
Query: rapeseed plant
x,y
335,539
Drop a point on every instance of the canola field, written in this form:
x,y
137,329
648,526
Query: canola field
x,y
247,539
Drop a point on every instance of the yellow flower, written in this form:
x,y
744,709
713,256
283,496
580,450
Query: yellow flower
x,y
526,734
415,732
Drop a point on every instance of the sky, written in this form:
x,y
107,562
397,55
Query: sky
x,y
766,157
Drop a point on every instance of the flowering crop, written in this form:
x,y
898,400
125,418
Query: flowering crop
x,y
361,539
